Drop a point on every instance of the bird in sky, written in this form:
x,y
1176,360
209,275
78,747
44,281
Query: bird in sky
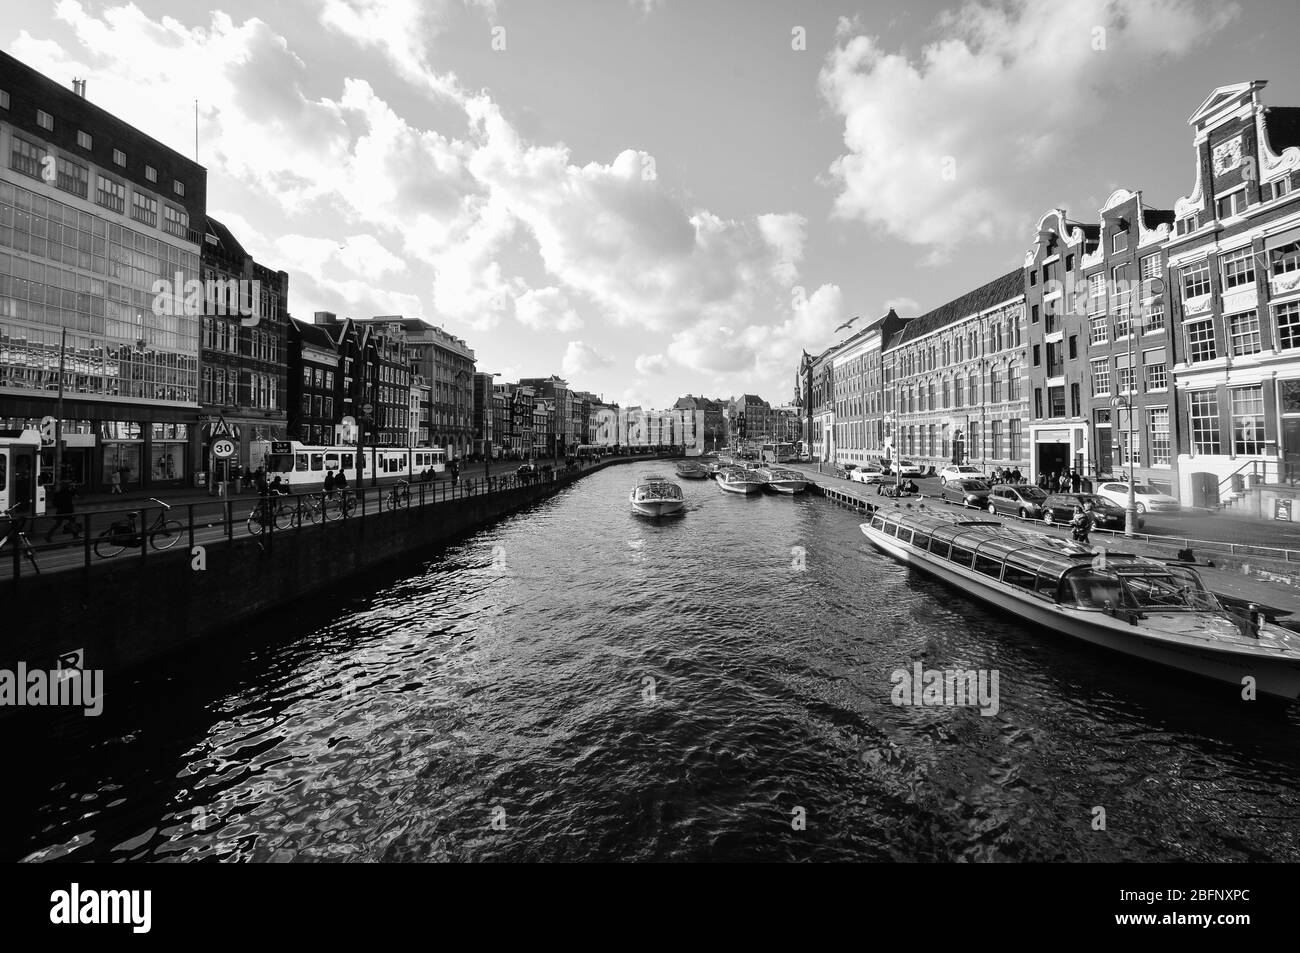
x,y
848,323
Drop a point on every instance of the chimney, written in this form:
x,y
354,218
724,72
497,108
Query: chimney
x,y
79,87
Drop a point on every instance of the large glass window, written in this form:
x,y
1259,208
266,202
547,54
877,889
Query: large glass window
x,y
1243,332
144,209
1101,376
1155,369
1203,407
1248,420
1196,280
110,194
72,177
1158,428
1056,401
1098,329
1238,268
25,157
1283,261
1287,318
1200,341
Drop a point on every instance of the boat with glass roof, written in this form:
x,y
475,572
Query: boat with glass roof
x,y
1156,611
656,495
783,480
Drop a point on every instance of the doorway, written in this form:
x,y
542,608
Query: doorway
x,y
1052,458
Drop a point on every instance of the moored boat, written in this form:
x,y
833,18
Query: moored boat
x,y
737,480
1143,608
782,480
656,495
691,471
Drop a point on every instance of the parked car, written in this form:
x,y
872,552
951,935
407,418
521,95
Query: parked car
x,y
1059,508
959,472
967,492
1149,499
909,469
867,474
1017,499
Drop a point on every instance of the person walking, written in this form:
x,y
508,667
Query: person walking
x,y
1075,481
329,483
115,482
64,509
1081,525
455,471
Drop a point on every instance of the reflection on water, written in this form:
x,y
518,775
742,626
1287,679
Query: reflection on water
x,y
578,682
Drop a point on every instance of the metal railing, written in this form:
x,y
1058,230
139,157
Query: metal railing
x,y
53,542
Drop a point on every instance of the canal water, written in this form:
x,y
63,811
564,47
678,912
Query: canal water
x,y
579,683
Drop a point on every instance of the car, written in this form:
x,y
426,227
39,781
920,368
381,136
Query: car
x,y
909,469
867,474
1059,508
954,471
1016,499
1149,499
845,470
966,492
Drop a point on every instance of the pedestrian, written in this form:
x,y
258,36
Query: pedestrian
x,y
1081,525
261,481
115,481
277,487
455,471
1015,475
329,483
64,508
1075,480
1064,484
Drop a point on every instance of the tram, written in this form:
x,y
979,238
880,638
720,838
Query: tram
x,y
302,466
20,486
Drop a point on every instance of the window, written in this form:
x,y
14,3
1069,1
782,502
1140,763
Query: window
x,y
1204,411
1285,260
144,209
44,119
1280,188
4,99
1238,268
1200,341
1196,280
72,177
1037,355
1098,329
1013,382
151,173
119,158
1287,318
1158,436
1038,403
1074,346
25,158
178,187
1233,204
1076,406
1033,314
995,385
176,221
84,140
1013,439
1153,316
110,194
1243,332
1119,242
1152,267
1096,293
1056,401
306,376
1155,368
1124,374
1101,376
1248,420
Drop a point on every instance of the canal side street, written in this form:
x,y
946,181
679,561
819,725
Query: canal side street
x,y
1245,576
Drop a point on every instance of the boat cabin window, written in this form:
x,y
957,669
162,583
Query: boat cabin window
x,y
1018,576
939,547
877,522
920,540
905,534
1045,583
1089,589
988,566
961,555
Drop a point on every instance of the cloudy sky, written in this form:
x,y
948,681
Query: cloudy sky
x,y
655,197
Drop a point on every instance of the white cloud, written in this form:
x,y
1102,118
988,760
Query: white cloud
x,y
939,146
651,364
580,358
546,309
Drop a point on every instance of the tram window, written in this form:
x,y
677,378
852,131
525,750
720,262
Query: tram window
x,y
961,556
347,461
331,461
988,566
4,472
318,461
921,540
1019,576
279,462
939,547
300,462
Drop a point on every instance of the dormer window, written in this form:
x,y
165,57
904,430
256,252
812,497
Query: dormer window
x,y
44,120
1230,205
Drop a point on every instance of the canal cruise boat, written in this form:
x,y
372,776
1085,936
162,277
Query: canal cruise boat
x,y
782,480
1147,609
734,479
656,495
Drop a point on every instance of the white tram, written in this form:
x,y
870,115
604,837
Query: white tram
x,y
20,457
301,466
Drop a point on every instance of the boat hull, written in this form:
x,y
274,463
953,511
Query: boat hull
x,y
745,489
657,507
1274,677
788,486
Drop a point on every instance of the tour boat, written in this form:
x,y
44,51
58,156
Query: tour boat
x,y
691,471
656,495
782,480
1131,604
736,480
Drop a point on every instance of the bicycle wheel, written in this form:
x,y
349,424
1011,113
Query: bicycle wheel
x,y
110,543
314,509
284,517
166,535
254,524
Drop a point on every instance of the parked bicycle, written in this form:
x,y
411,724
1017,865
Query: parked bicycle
x,y
270,512
123,534
399,495
16,535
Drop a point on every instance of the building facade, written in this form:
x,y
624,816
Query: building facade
x,y
313,386
1234,296
99,260
446,363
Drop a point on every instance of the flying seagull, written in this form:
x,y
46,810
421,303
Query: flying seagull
x,y
849,322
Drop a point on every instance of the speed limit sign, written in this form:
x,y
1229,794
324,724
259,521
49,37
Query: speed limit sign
x,y
223,448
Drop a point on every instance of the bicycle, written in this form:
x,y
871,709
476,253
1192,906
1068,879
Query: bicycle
x,y
269,512
17,534
121,535
399,495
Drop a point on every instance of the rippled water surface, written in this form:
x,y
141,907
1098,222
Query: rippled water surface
x,y
576,682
